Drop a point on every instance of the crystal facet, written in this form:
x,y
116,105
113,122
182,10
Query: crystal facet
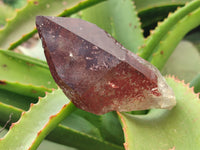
x,y
98,74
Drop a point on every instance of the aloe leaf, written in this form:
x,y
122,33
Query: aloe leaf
x,y
196,83
150,12
2,131
105,127
172,39
81,125
36,123
15,3
158,35
16,100
111,129
24,89
147,4
150,16
25,18
5,12
13,104
66,136
46,144
166,129
49,145
24,75
194,38
78,122
185,66
6,110
67,12
119,18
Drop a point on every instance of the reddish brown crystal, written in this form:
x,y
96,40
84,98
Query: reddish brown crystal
x,y
96,72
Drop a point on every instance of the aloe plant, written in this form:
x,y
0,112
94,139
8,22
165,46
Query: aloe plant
x,y
34,108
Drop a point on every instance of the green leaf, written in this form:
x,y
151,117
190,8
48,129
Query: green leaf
x,y
161,37
166,47
6,110
119,18
15,100
148,4
184,62
196,83
3,131
5,12
24,20
166,129
66,132
152,11
105,127
194,37
36,123
67,136
111,129
78,122
24,75
48,145
15,3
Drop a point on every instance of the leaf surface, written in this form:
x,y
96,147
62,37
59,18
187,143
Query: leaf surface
x,y
166,129
185,66
23,21
166,36
24,75
196,83
88,128
36,123
146,4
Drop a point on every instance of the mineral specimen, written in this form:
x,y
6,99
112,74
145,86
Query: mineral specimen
x,y
96,72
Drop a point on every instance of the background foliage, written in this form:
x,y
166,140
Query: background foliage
x,y
30,97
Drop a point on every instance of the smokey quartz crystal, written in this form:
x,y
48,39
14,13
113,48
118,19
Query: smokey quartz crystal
x,y
96,72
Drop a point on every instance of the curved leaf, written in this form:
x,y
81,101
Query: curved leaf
x,y
36,123
167,46
147,4
184,62
158,35
104,127
5,12
24,20
166,129
81,125
24,75
15,3
152,11
14,100
196,84
67,136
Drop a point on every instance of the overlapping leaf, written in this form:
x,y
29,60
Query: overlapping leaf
x,y
36,123
24,75
163,40
80,125
166,129
24,20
